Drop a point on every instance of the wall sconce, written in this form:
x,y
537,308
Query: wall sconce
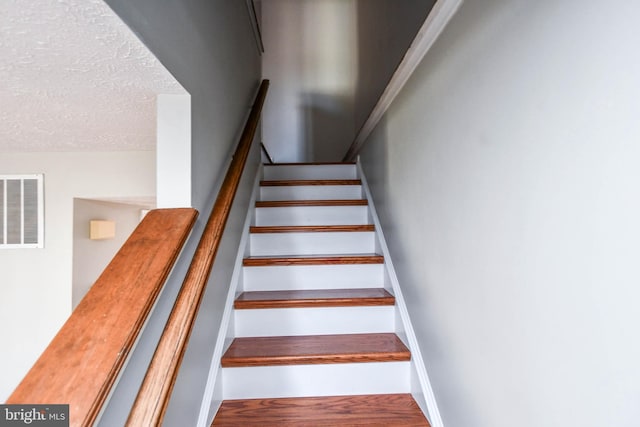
x,y
101,229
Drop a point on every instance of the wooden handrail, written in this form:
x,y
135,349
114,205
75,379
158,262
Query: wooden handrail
x,y
82,362
153,396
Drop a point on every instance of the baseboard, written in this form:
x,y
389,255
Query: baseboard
x,y
423,394
210,404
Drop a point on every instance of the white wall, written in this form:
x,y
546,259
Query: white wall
x,y
173,147
506,175
35,293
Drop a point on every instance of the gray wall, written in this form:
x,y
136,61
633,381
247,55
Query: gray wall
x,y
208,46
506,175
386,28
329,61
310,58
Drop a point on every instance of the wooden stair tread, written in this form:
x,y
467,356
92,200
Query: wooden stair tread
x,y
291,203
311,164
256,261
315,349
369,410
296,182
310,228
314,298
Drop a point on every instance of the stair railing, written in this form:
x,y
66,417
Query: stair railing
x,y
82,362
266,153
153,397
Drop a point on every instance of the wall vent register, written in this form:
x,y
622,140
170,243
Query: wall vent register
x,y
21,211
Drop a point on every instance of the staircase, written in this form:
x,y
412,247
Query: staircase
x,y
316,334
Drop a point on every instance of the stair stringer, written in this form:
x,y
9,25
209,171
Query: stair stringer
x,y
212,397
422,391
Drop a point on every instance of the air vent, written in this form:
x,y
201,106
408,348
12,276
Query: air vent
x,y
21,211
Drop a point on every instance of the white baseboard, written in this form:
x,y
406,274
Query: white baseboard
x,y
210,403
424,394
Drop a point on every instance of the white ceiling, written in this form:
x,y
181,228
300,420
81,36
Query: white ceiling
x,y
73,77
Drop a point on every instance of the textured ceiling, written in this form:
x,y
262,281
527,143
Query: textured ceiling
x,y
75,78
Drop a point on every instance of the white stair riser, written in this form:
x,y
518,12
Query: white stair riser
x,y
292,277
314,321
311,192
312,243
279,172
312,215
316,380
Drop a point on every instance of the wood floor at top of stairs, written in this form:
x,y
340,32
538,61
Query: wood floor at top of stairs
x,y
310,164
255,229
296,182
258,261
314,298
291,203
360,410
315,349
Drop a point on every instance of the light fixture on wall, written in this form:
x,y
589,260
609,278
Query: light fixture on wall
x,y
102,229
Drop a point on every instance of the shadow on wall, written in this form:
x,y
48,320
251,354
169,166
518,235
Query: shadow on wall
x,y
386,29
375,158
329,72
311,58
326,126
329,62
